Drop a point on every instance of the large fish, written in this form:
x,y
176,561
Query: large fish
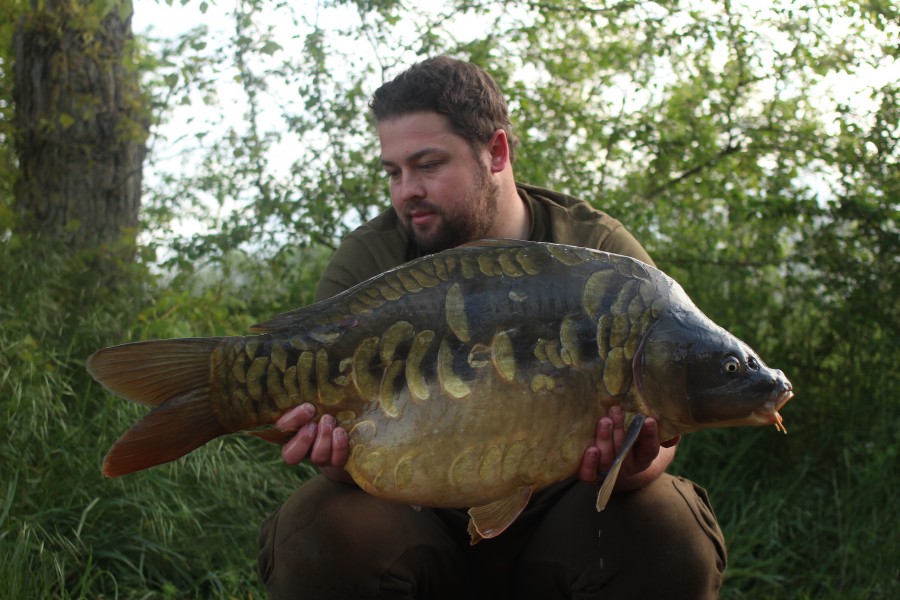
x,y
468,378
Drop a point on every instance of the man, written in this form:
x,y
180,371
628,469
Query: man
x,y
447,147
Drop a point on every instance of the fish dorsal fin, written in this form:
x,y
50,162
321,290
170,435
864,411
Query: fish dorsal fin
x,y
280,321
495,243
309,332
305,318
493,519
606,490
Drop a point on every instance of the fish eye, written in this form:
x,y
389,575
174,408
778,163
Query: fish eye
x,y
731,365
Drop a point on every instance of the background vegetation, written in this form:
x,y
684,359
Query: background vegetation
x,y
754,151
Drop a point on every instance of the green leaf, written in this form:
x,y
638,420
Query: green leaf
x,y
270,47
65,120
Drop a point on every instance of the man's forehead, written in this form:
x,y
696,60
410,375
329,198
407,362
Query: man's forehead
x,y
414,155
411,136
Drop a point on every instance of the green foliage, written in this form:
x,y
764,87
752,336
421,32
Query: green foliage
x,y
712,130
265,197
185,530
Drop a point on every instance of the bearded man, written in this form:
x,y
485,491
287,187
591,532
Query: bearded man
x,y
447,147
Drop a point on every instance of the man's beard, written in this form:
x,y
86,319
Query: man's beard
x,y
472,223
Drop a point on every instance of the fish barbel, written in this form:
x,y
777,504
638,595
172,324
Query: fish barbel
x,y
467,378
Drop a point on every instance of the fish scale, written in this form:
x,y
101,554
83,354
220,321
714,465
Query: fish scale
x,y
470,377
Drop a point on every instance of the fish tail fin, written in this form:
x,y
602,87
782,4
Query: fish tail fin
x,y
170,431
173,376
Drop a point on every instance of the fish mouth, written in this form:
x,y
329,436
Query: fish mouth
x,y
768,412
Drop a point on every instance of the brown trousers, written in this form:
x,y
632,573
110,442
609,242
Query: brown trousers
x,y
331,540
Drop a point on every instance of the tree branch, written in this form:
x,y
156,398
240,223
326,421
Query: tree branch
x,y
730,148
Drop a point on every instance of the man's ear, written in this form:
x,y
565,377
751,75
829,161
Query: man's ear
x,y
498,149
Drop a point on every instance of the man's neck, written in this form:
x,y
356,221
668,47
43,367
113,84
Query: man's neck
x,y
513,219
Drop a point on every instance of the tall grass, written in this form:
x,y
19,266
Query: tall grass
x,y
814,514
179,531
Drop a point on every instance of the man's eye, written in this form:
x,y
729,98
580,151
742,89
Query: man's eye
x,y
392,174
429,166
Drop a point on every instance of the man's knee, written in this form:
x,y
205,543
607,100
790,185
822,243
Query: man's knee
x,y
674,536
334,540
660,541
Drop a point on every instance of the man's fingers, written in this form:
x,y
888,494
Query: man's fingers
x,y
324,443
296,449
587,471
321,450
646,447
604,444
618,422
340,447
297,417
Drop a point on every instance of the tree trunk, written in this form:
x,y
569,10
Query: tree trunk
x,y
81,122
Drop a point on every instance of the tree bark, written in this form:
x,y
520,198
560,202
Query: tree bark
x,y
81,123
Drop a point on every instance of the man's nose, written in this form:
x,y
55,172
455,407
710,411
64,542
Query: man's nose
x,y
409,187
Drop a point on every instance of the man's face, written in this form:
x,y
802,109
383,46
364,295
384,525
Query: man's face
x,y
442,193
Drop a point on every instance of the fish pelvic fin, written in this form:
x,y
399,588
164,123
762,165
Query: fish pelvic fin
x,y
274,435
173,376
609,483
492,519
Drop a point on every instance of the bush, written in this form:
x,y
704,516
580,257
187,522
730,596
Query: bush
x,y
187,529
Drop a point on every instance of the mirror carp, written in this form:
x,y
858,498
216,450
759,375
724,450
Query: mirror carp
x,y
467,378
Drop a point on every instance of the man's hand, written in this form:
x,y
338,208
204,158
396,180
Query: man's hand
x,y
647,460
324,444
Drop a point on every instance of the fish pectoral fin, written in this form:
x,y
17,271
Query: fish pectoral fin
x,y
606,490
493,519
274,435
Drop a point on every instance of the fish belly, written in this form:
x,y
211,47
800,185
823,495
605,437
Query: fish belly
x,y
459,453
